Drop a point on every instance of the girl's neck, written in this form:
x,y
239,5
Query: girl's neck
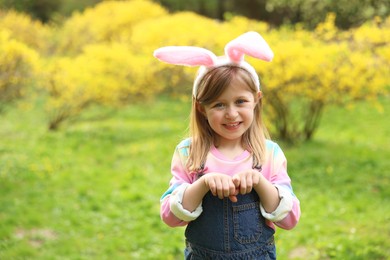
x,y
229,149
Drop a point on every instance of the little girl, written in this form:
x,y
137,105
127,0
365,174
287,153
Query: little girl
x,y
230,184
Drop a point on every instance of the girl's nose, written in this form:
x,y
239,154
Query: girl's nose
x,y
231,113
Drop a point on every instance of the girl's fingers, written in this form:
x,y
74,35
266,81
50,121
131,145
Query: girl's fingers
x,y
212,186
249,183
245,181
236,181
243,186
225,188
232,190
233,198
219,188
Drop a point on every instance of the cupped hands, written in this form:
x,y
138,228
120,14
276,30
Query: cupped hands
x,y
224,186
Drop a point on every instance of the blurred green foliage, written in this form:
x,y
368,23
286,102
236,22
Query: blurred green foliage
x,y
349,13
47,10
39,9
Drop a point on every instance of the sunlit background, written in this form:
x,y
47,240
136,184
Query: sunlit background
x,y
89,120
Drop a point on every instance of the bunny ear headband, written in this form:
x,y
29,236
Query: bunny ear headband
x,y
250,43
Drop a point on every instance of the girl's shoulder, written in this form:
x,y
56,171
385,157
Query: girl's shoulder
x,y
185,142
184,146
271,144
272,147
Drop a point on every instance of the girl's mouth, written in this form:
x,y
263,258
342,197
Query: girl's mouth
x,y
232,126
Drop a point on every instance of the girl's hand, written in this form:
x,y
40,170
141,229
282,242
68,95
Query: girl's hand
x,y
246,180
221,185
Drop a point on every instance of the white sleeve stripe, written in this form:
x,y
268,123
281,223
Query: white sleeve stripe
x,y
284,207
175,202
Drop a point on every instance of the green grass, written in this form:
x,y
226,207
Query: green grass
x,y
91,190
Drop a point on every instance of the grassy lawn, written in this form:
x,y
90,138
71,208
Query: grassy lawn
x,y
91,190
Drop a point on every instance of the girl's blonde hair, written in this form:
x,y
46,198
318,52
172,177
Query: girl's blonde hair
x,y
212,85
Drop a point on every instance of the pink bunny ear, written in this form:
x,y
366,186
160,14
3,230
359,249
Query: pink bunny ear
x,y
185,55
250,43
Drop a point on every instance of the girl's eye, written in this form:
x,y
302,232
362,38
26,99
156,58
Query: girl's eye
x,y
219,105
240,101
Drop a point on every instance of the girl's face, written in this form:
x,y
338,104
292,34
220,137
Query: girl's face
x,y
231,114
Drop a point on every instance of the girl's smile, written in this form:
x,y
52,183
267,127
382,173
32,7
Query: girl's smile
x,y
232,126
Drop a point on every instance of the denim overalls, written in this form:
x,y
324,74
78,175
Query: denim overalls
x,y
227,230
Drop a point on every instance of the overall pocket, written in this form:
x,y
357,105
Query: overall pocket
x,y
247,220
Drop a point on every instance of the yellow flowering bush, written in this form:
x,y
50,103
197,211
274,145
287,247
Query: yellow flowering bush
x,y
374,33
373,38
105,74
24,29
312,70
102,68
108,21
19,66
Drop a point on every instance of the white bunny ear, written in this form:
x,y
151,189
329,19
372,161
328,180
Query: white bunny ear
x,y
250,43
185,55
